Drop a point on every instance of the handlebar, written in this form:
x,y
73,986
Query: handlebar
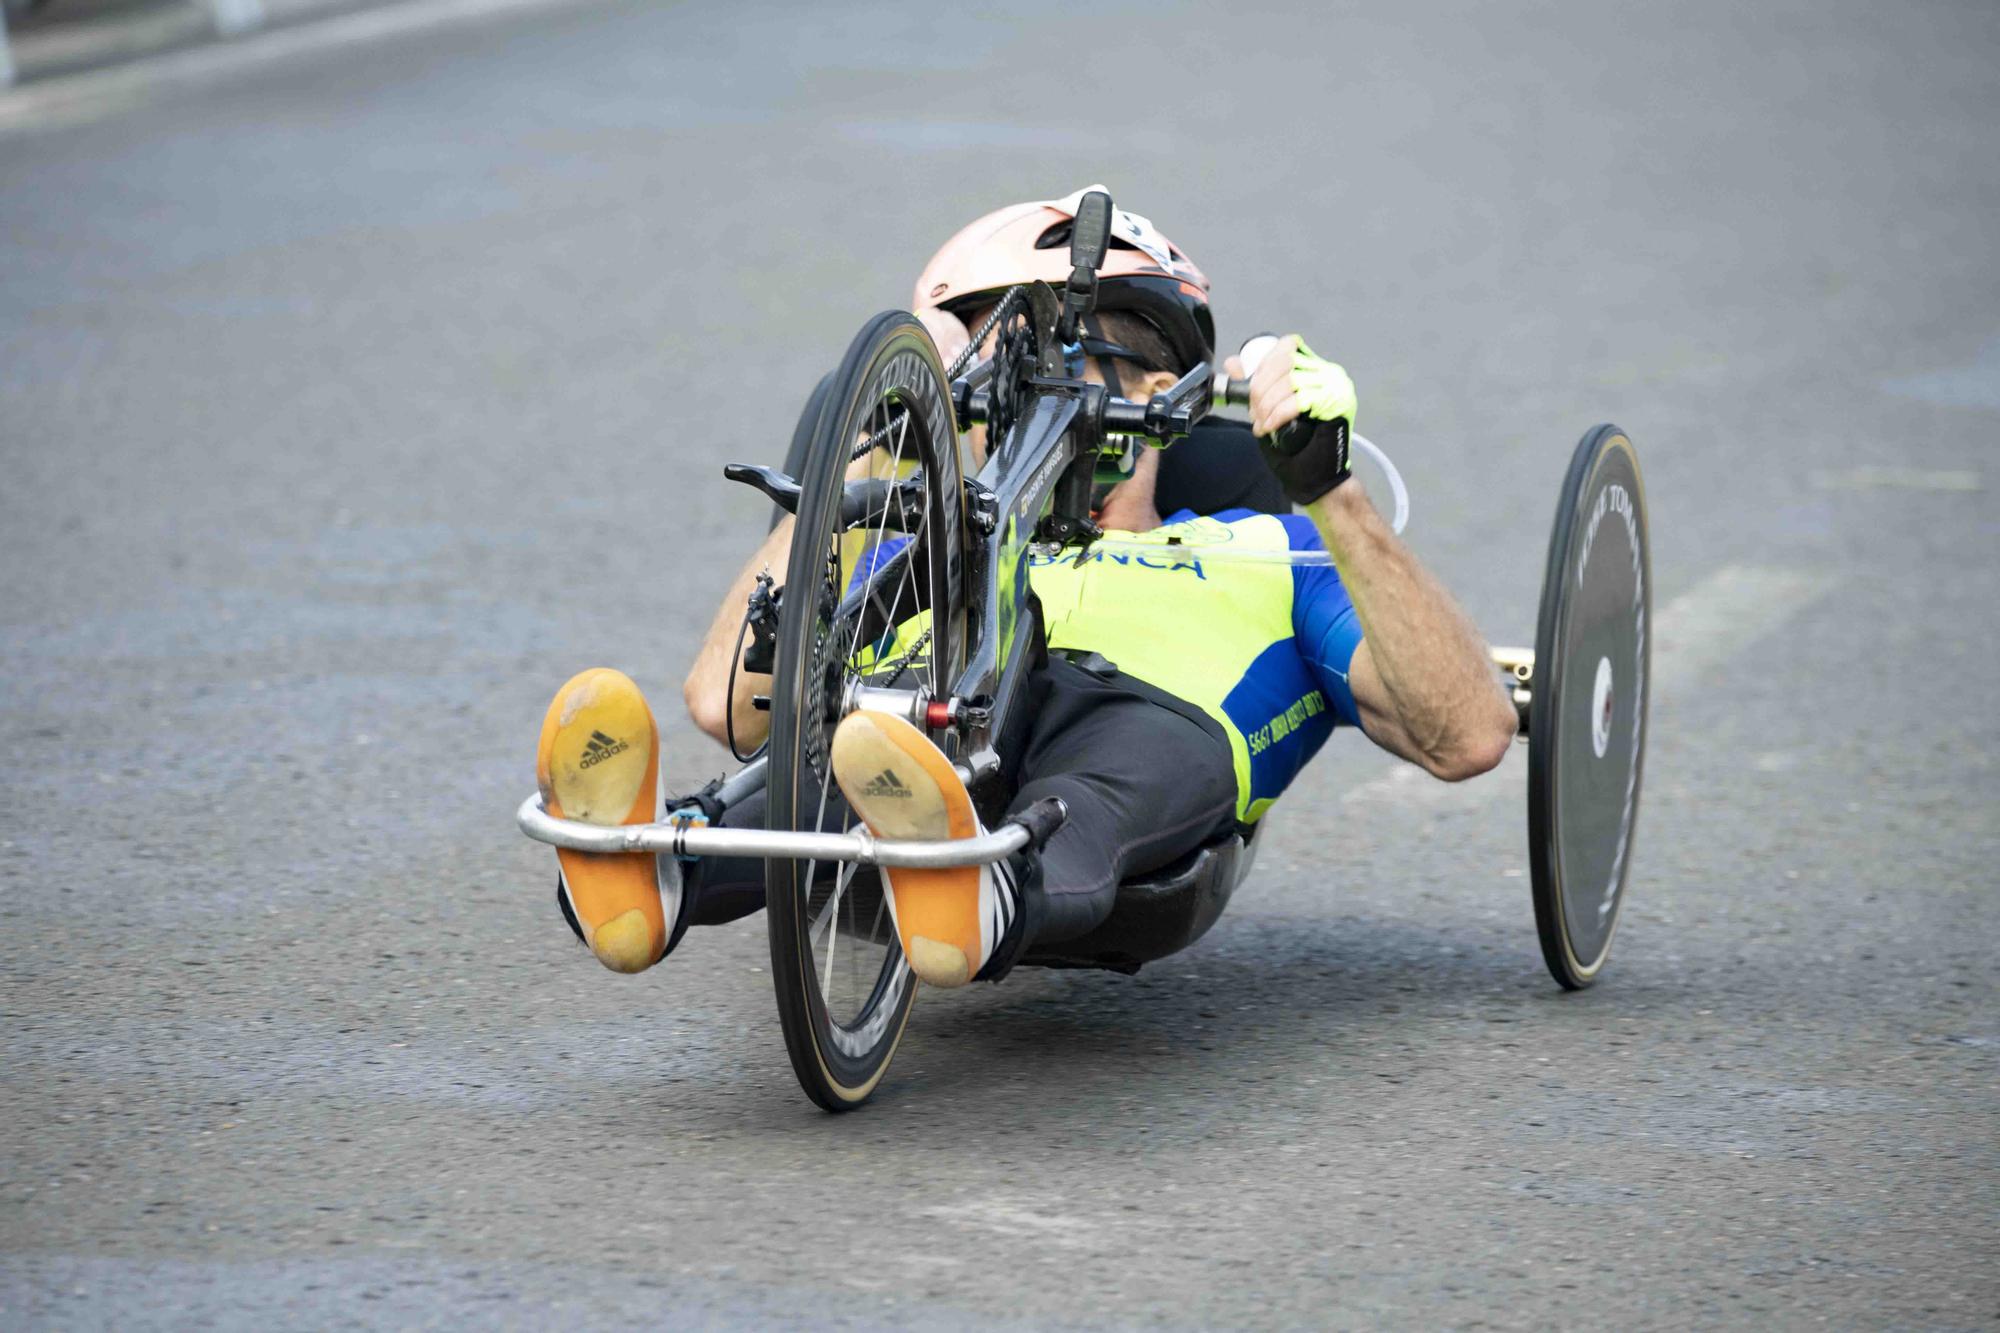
x,y
1166,416
1172,413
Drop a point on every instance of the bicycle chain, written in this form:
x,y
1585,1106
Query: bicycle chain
x,y
902,664
869,444
1008,302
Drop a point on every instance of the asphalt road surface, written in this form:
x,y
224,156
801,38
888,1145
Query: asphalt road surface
x,y
352,398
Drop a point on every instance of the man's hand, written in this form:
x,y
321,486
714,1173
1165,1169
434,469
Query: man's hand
x,y
1288,382
1302,408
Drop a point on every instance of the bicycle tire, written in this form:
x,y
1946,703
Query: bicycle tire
x,y
891,376
802,437
1592,690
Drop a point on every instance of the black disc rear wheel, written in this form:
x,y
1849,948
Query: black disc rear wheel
x,y
1587,720
871,597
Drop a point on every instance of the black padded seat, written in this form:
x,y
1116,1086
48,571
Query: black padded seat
x,y
1161,912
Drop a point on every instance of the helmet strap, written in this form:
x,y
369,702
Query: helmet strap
x,y
1107,366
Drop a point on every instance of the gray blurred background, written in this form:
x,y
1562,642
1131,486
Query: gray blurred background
x,y
363,378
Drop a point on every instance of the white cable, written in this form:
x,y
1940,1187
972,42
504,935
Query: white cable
x,y
1396,487
1254,351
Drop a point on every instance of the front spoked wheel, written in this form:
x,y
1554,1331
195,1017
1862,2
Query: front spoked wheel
x,y
871,596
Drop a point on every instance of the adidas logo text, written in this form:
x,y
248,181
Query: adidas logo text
x,y
886,783
599,748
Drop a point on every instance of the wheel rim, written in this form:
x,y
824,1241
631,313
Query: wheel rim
x,y
833,941
861,635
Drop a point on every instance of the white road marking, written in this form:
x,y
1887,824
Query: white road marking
x,y
233,18
1033,1221
81,98
1976,384
1723,614
1898,479
1696,632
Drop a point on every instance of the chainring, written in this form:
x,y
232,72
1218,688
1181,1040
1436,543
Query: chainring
x,y
1016,356
825,674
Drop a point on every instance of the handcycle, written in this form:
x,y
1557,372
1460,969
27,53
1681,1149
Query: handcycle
x,y
907,591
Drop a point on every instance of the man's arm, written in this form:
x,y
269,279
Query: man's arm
x,y
1422,681
1421,678
706,689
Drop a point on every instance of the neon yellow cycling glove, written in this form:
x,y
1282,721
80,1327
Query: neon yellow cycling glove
x,y
1309,453
1325,392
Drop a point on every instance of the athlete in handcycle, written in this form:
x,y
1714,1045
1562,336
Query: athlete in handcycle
x,y
1000,709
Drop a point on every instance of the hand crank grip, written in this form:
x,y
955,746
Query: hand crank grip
x,y
1254,350
782,490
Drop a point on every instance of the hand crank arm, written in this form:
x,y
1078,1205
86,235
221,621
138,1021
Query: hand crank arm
x,y
876,502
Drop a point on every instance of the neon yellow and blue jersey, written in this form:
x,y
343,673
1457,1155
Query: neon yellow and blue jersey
x,y
1260,646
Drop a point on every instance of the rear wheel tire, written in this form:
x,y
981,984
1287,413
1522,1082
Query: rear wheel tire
x,y
1587,718
851,591
802,438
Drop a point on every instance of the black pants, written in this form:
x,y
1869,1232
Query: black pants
x,y
1146,781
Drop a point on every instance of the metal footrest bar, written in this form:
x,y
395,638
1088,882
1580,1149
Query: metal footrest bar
x,y
1518,666
858,844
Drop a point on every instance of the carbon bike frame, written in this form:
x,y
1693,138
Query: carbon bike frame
x,y
1033,490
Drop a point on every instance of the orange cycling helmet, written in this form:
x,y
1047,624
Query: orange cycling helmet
x,y
1143,272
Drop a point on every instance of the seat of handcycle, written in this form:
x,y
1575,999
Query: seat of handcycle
x,y
1160,912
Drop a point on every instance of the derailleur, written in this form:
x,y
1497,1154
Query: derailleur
x,y
1063,530
760,623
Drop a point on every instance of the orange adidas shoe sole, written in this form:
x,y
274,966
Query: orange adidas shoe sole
x,y
599,762
903,787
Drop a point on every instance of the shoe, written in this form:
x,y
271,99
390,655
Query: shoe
x,y
599,763
902,786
